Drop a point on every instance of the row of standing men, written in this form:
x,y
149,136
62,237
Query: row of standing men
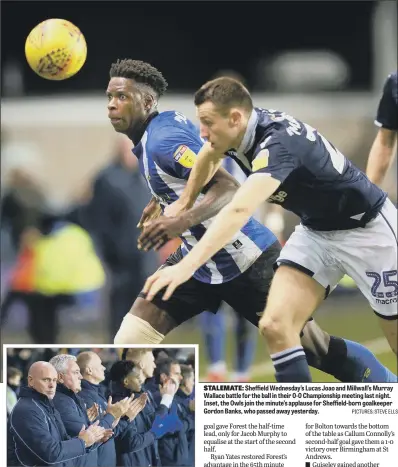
x,y
63,417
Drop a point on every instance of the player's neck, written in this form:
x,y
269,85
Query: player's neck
x,y
136,133
91,380
239,139
185,390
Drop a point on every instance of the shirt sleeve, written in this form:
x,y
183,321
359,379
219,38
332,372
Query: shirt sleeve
x,y
174,150
387,110
274,159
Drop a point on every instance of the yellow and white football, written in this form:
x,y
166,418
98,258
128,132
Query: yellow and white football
x,y
56,49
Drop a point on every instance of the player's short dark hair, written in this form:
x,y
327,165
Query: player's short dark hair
x,y
121,370
224,93
163,366
124,354
141,72
190,360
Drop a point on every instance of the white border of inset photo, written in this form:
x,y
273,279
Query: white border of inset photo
x,y
3,412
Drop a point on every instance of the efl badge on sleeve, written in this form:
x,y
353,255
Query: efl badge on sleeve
x,y
185,156
261,160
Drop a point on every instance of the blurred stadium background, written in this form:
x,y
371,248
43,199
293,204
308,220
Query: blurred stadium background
x,y
324,62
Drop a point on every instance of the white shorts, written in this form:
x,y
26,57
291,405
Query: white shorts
x,y
368,255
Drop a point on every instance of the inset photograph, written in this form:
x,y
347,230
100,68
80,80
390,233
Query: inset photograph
x,y
108,407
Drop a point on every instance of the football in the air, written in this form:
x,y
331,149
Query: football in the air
x,y
56,49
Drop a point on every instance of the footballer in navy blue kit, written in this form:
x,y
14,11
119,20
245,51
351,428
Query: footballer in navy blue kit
x,y
348,225
240,272
385,144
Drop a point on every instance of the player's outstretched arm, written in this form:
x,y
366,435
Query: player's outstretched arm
x,y
219,193
381,155
231,218
207,163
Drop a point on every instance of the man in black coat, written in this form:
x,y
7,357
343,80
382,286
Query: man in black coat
x,y
74,412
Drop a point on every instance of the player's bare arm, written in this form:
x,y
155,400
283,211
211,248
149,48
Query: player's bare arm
x,y
207,163
381,155
219,193
231,218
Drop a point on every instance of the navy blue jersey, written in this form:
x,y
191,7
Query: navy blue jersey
x,y
167,152
318,183
387,112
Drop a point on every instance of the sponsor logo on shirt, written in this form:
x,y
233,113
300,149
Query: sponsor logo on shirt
x,y
261,160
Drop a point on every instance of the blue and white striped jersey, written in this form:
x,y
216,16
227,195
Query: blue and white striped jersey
x,y
166,153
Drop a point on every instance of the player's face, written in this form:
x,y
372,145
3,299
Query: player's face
x,y
134,380
148,364
221,130
72,377
189,383
175,373
45,381
97,368
126,105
